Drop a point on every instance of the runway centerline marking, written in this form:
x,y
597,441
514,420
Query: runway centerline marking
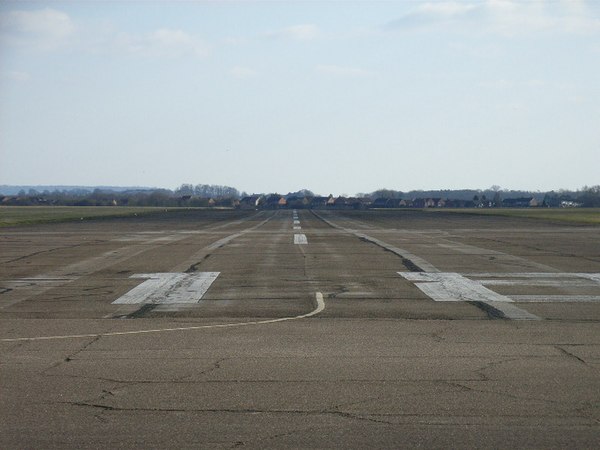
x,y
320,306
169,287
300,239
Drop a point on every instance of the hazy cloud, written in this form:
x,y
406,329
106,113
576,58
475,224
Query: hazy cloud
x,y
42,28
163,42
505,17
429,14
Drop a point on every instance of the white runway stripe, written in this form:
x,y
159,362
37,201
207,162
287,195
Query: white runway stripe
x,y
300,239
169,288
555,298
453,287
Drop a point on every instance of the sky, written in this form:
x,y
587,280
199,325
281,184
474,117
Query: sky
x,y
336,97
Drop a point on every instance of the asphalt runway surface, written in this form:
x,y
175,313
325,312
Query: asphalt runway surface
x,y
275,329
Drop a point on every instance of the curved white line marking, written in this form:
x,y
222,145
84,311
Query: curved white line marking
x,y
318,297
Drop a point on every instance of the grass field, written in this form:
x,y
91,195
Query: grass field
x,y
573,215
28,215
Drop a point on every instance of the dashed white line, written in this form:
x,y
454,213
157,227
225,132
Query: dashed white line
x,y
300,239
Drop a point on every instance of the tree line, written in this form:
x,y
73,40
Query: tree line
x,y
204,195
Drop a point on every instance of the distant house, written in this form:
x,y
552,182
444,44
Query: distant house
x,y
318,202
356,203
339,203
521,202
296,202
273,201
330,201
418,203
384,202
250,202
282,203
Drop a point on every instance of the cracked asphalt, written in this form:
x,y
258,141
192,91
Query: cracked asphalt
x,y
383,365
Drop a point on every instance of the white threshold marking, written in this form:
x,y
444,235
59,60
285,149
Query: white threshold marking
x,y
542,275
555,298
453,287
320,306
169,288
300,239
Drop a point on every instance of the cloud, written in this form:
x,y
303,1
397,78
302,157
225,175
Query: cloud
x,y
504,17
429,14
44,28
243,72
303,32
341,71
163,42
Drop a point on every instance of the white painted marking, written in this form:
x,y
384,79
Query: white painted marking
x,y
589,276
319,308
453,287
296,222
511,311
169,288
534,282
300,239
297,227
555,298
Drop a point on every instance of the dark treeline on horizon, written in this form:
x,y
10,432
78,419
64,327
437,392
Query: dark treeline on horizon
x,y
204,195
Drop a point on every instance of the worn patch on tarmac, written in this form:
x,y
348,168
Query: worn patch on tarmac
x,y
160,288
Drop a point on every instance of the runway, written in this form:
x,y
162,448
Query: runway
x,y
296,329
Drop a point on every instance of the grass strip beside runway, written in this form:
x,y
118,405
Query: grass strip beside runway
x,y
572,215
31,215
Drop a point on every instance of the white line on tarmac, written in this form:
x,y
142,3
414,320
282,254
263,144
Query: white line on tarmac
x,y
318,299
67,274
453,287
300,239
160,288
460,290
555,298
588,276
513,312
297,227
